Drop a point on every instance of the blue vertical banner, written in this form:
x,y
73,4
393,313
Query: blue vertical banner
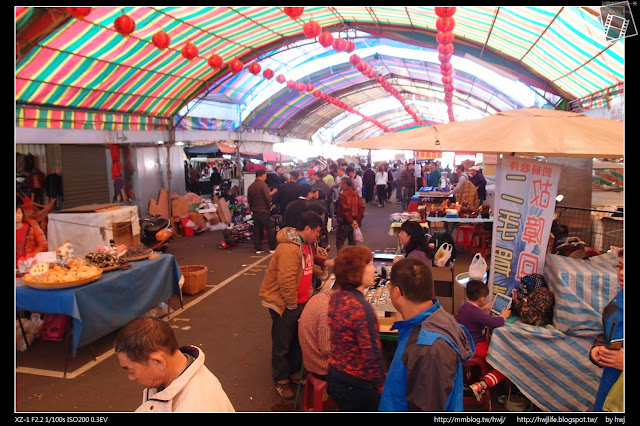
x,y
523,211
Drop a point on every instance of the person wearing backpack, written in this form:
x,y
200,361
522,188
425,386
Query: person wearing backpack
x,y
426,371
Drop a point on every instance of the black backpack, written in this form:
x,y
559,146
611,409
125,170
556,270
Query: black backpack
x,y
441,237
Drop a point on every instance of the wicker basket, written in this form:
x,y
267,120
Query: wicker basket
x,y
195,278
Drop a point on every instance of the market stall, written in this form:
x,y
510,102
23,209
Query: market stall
x,y
550,365
104,305
93,226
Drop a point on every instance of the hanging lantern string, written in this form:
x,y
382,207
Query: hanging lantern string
x,y
445,37
365,68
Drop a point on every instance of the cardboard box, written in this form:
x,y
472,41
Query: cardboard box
x,y
179,206
198,218
223,209
212,218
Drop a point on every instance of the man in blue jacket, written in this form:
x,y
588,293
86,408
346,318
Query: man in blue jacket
x,y
426,370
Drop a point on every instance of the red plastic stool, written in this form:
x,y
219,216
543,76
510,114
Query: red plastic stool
x,y
474,370
315,395
467,232
479,243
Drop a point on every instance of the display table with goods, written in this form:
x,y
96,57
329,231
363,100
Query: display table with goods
x,y
550,365
428,194
93,226
451,215
103,301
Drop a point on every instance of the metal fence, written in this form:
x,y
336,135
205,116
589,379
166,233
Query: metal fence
x,y
598,229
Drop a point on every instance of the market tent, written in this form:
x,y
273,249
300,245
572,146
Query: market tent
x,y
276,157
203,149
75,71
527,131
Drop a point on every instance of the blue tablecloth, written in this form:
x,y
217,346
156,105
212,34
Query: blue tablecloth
x,y
550,365
108,303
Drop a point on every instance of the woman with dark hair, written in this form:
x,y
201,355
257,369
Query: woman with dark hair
x,y
30,239
416,245
356,368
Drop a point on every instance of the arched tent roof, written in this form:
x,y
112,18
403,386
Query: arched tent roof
x,y
80,73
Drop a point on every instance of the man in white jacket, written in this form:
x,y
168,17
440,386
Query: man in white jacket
x,y
175,379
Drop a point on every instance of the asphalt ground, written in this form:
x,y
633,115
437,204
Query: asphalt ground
x,y
226,320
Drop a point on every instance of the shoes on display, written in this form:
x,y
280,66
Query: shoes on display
x,y
283,387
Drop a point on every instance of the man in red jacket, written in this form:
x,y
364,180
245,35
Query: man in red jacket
x,y
350,213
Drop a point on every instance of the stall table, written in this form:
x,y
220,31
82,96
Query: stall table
x,y
457,220
427,197
100,307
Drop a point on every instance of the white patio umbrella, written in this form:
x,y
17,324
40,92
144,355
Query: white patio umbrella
x,y
526,131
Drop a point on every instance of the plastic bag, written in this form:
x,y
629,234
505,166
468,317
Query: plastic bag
x,y
357,235
31,328
443,255
478,267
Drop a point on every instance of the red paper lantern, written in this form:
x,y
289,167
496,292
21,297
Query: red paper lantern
x,y
447,79
445,37
214,61
354,59
311,29
124,25
325,39
161,40
372,73
235,66
448,88
445,12
317,94
445,49
78,12
300,87
448,72
380,79
362,65
444,58
280,78
294,12
268,74
324,97
291,84
309,87
445,24
446,66
351,46
255,68
339,45
189,51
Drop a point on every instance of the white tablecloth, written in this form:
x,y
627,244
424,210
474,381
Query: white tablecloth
x,y
88,231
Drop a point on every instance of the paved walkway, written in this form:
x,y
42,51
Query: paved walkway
x,y
226,321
